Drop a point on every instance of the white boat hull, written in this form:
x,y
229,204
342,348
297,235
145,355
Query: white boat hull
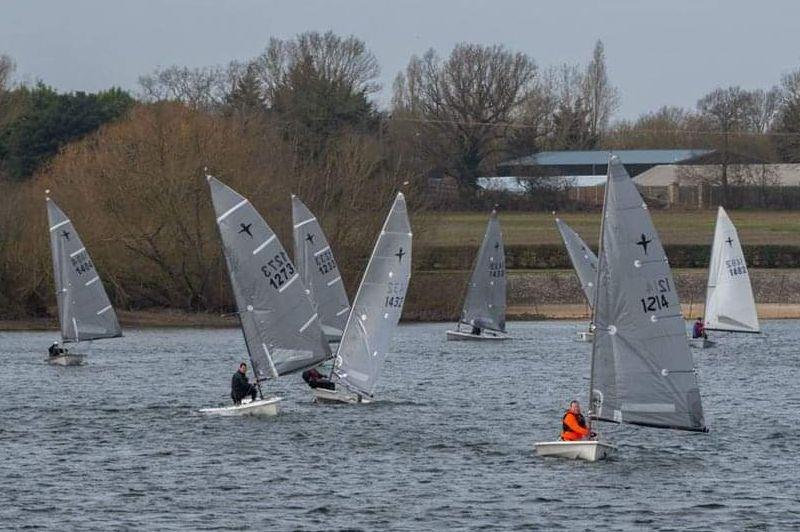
x,y
590,450
67,359
259,407
322,395
467,336
585,336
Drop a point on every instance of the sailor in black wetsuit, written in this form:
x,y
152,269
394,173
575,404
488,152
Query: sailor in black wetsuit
x,y
241,387
315,379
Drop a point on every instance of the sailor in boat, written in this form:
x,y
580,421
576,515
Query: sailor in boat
x,y
699,329
573,424
315,379
56,350
241,387
476,330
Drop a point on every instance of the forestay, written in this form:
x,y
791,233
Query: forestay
x,y
281,330
84,309
318,270
583,259
378,304
642,369
485,304
730,305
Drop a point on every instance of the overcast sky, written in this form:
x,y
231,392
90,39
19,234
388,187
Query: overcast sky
x,y
659,52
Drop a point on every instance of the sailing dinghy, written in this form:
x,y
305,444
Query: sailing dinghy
x,y
281,331
319,272
84,310
484,309
584,262
730,305
641,370
376,312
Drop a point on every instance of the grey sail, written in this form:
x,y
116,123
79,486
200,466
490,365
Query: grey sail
x,y
378,304
281,329
583,259
485,304
84,310
642,369
318,270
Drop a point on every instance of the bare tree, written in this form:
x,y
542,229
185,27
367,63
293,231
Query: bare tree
x,y
7,68
465,104
600,97
199,88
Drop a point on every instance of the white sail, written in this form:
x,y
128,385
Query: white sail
x,y
318,269
730,305
485,304
84,310
378,304
642,371
583,259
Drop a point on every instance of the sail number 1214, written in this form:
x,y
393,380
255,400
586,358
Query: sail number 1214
x,y
658,301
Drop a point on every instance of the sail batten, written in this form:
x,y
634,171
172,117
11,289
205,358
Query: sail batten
x,y
318,268
485,302
378,304
272,306
642,370
583,259
84,310
730,305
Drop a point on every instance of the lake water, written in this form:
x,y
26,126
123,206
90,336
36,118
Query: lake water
x,y
118,443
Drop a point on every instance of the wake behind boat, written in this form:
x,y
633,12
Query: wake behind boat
x,y
376,312
641,369
484,312
282,332
84,311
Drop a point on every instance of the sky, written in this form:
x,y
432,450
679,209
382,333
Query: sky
x,y
658,52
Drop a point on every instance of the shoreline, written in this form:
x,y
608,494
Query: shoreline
x,y
172,319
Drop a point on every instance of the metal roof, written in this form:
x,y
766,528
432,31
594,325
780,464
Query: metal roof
x,y
600,157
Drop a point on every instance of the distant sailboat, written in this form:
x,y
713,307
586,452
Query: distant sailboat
x,y
281,330
485,305
642,371
730,305
584,261
84,310
319,272
376,312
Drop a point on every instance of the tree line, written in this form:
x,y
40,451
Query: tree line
x,y
302,118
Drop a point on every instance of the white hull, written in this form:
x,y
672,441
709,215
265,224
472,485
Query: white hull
x,y
702,343
321,395
484,337
591,451
585,336
67,359
260,407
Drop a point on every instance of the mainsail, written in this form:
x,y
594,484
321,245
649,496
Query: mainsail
x,y
84,310
281,329
485,304
642,369
730,305
318,270
378,304
582,257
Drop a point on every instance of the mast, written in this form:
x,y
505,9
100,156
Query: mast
x,y
600,252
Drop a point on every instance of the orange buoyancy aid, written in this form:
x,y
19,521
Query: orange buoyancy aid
x,y
573,427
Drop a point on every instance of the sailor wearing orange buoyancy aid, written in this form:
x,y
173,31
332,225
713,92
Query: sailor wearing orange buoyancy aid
x,y
573,424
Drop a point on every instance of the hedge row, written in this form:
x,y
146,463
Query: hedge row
x,y
551,256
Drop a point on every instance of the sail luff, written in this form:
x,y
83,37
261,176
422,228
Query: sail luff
x,y
485,302
730,305
281,329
